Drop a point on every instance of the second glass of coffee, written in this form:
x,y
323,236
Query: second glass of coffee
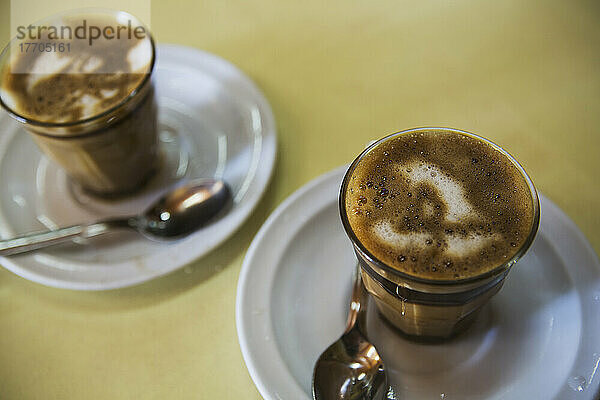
x,y
84,91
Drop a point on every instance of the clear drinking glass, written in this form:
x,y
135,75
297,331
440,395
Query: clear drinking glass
x,y
431,309
109,152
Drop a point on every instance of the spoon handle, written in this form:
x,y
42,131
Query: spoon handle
x,y
358,305
39,240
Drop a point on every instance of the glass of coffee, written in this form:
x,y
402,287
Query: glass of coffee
x,y
80,83
437,218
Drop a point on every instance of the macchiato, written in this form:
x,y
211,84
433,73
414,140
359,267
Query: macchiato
x,y
89,104
437,217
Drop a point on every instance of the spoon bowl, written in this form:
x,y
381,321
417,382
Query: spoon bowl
x,y
350,369
185,209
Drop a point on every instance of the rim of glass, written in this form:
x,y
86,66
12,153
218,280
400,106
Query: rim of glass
x,y
5,55
442,282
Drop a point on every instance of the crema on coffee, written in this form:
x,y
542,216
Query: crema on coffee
x,y
69,86
439,205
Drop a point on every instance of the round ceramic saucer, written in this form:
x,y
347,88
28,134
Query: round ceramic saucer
x,y
537,339
213,121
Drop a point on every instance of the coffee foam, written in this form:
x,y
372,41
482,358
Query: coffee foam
x,y
140,56
471,243
388,235
61,87
456,246
438,205
450,191
452,194
46,64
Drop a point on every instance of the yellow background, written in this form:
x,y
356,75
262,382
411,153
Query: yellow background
x,y
338,74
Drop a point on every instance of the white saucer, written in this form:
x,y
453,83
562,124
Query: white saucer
x,y
214,122
537,339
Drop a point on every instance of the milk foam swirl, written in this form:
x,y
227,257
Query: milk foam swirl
x,y
439,205
63,87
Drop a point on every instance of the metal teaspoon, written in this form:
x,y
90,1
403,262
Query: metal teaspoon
x,y
177,213
351,368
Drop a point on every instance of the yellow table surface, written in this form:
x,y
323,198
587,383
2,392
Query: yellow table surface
x,y
337,74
